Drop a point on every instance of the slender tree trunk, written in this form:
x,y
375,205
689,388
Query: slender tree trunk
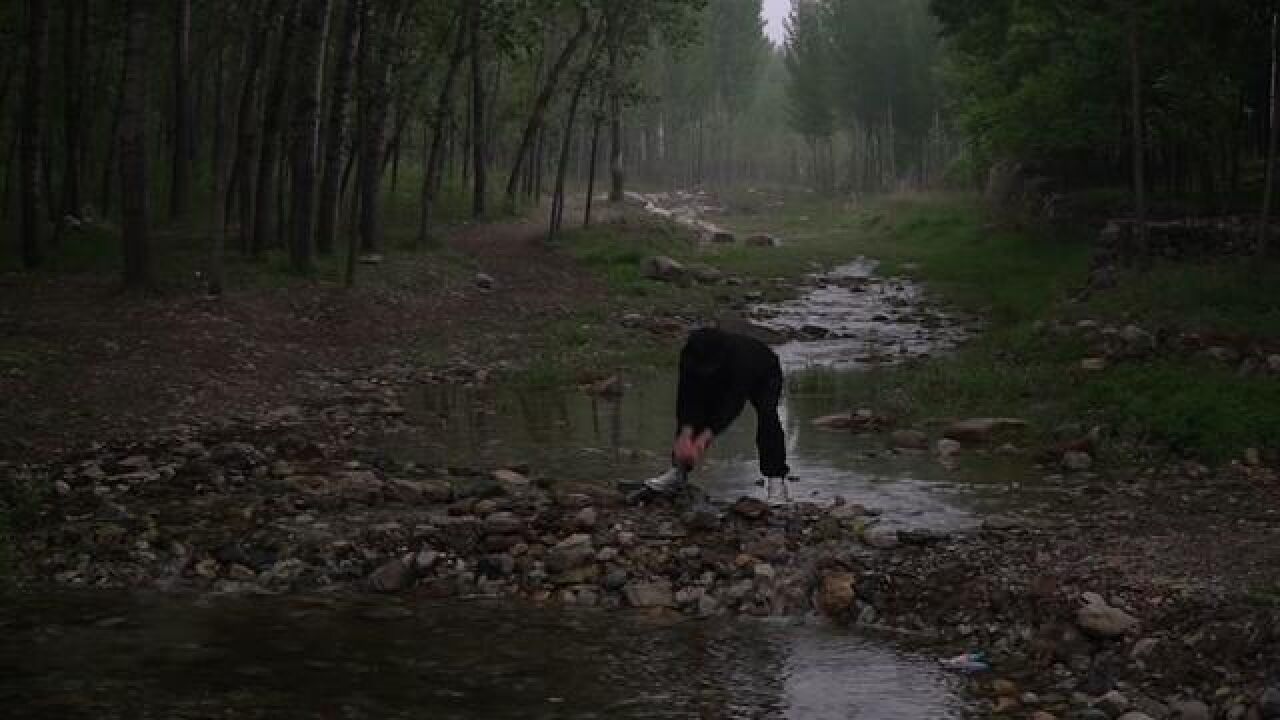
x,y
557,202
1139,134
32,143
339,114
314,27
183,134
133,150
1264,221
598,120
74,50
218,164
479,149
542,102
264,216
243,167
617,172
375,84
435,157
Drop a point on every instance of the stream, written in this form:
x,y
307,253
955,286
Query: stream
x,y
121,655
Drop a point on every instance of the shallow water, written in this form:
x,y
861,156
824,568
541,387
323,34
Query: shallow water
x,y
120,656
108,656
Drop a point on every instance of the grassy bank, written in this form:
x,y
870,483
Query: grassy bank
x,y
1018,280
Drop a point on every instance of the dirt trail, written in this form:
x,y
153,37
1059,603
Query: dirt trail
x,y
80,362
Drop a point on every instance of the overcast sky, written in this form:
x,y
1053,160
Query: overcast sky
x,y
775,12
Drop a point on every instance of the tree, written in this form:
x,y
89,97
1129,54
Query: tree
x,y
479,147
336,138
314,25
183,132
134,191
541,103
32,134
441,116
1139,127
1273,136
264,208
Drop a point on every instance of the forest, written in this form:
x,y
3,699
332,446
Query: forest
x,y
342,343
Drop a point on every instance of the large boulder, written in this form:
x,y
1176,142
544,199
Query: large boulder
x,y
982,429
1101,620
664,269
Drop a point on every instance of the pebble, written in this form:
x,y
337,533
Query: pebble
x,y
1190,710
1099,619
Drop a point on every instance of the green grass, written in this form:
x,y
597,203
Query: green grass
x,y
1013,277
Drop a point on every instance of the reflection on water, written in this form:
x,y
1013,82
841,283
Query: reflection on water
x,y
571,435
117,656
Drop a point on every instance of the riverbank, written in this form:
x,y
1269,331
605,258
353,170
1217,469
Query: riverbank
x,y
284,487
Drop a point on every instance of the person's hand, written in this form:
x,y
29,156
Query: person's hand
x,y
688,449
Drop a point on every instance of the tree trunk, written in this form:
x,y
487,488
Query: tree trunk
x,y
32,142
1264,220
541,103
1139,135
435,157
314,28
617,173
375,83
183,134
133,150
557,202
335,140
242,171
479,150
75,46
598,120
264,216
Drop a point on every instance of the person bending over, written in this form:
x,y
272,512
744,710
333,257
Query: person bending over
x,y
719,373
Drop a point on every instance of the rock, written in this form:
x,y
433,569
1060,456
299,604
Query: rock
x,y
842,421
1252,457
750,508
1137,342
702,516
574,551
1190,710
484,281
836,594
614,580
1042,715
1093,364
1099,619
1077,460
1273,363
763,240
371,259
708,606
1143,648
1003,687
722,236
392,577
1135,715
706,274
880,537
510,480
981,429
764,571
649,594
663,268
909,440
1113,703
62,488
425,561
586,519
503,523
948,448
610,387
1269,703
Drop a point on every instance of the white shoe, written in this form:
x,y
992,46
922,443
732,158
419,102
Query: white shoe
x,y
670,482
776,492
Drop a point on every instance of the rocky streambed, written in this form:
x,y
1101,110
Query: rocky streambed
x,y
1095,597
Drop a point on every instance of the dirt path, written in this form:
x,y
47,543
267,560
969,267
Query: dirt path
x,y
80,363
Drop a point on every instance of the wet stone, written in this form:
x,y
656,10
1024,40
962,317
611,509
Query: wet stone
x,y
648,594
392,577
